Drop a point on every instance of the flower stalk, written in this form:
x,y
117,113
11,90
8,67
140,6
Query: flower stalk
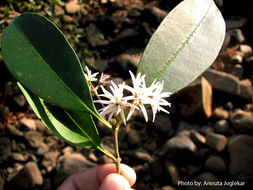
x,y
116,147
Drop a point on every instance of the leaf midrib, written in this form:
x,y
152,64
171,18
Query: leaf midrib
x,y
90,139
183,44
57,77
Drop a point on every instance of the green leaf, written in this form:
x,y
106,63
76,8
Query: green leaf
x,y
185,44
74,127
40,58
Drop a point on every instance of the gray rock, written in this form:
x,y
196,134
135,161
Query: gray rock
x,y
20,100
128,59
42,149
222,81
126,39
249,61
197,138
133,137
141,168
238,71
70,163
123,132
229,106
2,181
58,10
220,113
4,111
16,156
13,130
47,185
29,177
18,147
51,140
100,64
143,155
73,7
236,57
157,168
146,30
151,145
163,123
50,159
167,187
67,18
245,90
222,126
94,36
117,4
242,121
228,83
34,138
206,129
173,171
5,148
236,36
191,170
241,154
133,13
180,149
29,123
154,15
215,164
246,50
112,23
235,22
216,141
40,126
186,133
91,156
184,126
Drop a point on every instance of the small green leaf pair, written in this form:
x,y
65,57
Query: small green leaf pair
x,y
52,79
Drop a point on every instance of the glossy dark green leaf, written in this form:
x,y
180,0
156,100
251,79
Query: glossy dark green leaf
x,y
40,57
74,127
185,44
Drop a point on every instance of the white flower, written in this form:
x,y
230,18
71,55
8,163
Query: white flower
x,y
142,95
90,77
104,79
116,103
157,98
138,94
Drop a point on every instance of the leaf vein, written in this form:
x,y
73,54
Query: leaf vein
x,y
183,44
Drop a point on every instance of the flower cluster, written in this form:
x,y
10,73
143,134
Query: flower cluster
x,y
92,78
141,96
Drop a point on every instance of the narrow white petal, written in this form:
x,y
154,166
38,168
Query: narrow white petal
x,y
162,109
106,93
102,101
118,109
129,98
122,114
154,110
110,116
144,112
130,113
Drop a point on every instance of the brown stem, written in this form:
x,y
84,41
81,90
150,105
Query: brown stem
x,y
109,155
116,148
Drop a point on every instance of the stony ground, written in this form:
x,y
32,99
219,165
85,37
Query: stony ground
x,y
207,137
